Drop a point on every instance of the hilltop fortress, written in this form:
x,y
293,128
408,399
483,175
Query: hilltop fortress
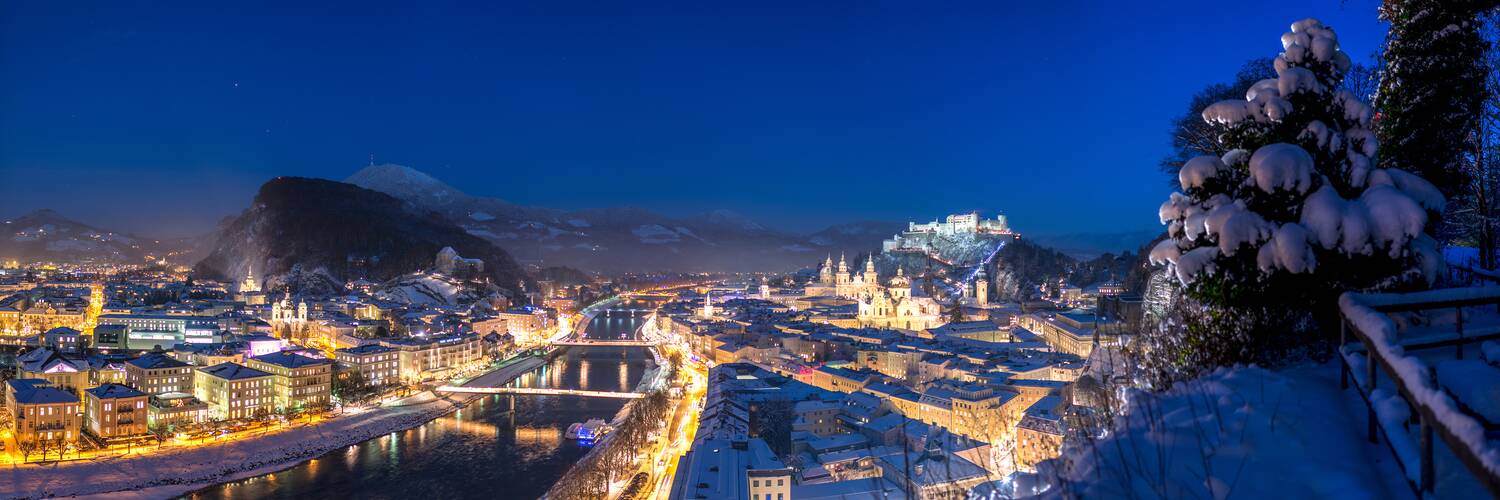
x,y
922,237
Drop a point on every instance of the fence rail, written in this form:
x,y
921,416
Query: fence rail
x,y
1466,275
1383,351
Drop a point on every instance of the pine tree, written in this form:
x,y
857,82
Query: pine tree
x,y
1433,88
1264,237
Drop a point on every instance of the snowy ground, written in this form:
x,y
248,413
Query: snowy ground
x,y
176,471
1244,432
425,289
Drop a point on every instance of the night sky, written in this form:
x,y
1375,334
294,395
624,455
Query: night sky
x,y
163,117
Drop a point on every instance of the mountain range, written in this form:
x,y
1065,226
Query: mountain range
x,y
623,238
45,235
610,240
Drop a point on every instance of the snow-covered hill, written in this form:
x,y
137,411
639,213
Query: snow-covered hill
x,y
426,289
47,235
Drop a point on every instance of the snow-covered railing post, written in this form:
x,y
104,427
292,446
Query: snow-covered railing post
x,y
1370,375
1460,347
1426,435
1416,383
1343,339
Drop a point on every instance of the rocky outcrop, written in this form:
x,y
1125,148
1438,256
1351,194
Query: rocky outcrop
x,y
304,232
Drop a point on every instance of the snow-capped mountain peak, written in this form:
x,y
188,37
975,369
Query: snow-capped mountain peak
x,y
406,183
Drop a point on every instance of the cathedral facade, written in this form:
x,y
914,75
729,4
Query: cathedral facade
x,y
891,305
895,306
841,283
283,312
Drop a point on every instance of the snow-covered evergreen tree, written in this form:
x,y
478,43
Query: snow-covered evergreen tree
x,y
1263,237
1433,87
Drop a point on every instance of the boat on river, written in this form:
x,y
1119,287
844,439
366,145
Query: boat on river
x,y
588,431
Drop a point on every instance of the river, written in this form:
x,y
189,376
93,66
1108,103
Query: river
x,y
500,446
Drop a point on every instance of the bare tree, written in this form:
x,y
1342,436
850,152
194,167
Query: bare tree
x,y
1362,80
27,447
159,431
1191,136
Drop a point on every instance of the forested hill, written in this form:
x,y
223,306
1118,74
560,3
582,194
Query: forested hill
x,y
1022,265
299,228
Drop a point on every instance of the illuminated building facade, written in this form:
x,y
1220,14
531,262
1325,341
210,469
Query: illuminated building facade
x,y
233,391
157,373
423,359
148,331
378,364
298,381
41,412
115,411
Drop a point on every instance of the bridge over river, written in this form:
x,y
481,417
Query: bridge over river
x,y
540,391
605,343
508,440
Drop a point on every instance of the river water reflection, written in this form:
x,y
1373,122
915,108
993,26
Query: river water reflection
x,y
498,447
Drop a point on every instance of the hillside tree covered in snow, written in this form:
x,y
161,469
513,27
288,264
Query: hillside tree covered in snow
x,y
1192,136
1432,97
1263,237
1432,87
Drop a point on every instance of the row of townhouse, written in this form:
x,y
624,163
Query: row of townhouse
x,y
59,402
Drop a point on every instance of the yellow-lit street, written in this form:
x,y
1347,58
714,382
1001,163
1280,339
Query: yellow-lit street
x,y
661,463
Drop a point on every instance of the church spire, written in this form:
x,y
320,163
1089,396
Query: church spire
x,y
249,284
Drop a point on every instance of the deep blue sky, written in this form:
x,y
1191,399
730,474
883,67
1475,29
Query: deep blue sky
x,y
162,117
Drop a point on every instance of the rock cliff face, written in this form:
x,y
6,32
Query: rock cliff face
x,y
313,234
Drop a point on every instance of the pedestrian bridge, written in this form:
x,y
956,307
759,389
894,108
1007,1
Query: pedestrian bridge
x,y
611,311
616,343
539,391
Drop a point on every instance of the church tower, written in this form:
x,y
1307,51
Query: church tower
x,y
982,288
842,278
279,308
825,275
249,285
765,289
871,278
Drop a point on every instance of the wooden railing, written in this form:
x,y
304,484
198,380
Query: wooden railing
x,y
1417,391
1465,275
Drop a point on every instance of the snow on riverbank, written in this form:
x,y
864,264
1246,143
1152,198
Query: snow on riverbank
x,y
174,471
1244,432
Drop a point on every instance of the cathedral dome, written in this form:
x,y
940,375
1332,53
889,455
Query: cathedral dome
x,y
900,280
